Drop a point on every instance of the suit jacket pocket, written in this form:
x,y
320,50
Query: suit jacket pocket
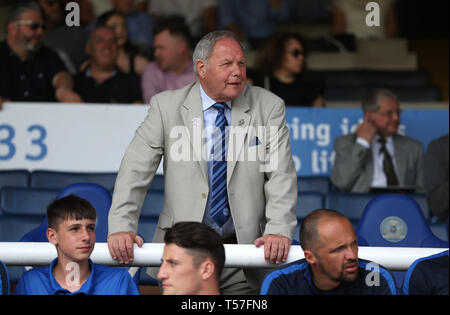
x,y
164,221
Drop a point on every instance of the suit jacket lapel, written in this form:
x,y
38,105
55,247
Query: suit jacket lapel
x,y
192,115
240,119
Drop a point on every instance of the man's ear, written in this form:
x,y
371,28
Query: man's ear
x,y
52,236
309,256
201,68
207,269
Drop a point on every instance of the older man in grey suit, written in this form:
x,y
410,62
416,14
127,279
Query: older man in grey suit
x,y
376,156
227,163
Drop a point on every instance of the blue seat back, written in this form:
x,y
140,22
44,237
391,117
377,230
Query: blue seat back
x,y
59,180
26,201
395,220
308,202
14,178
4,279
349,204
313,184
153,203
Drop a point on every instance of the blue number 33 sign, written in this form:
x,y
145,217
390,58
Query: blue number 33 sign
x,y
8,148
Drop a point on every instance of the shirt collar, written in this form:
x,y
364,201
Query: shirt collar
x,y
208,102
86,288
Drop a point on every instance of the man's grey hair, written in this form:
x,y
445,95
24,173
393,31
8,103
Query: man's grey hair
x,y
372,102
18,9
204,48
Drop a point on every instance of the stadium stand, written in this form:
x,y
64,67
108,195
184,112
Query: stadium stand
x,y
55,179
320,184
14,178
405,94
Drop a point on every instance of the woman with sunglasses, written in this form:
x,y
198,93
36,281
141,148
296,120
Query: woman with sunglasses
x,y
280,68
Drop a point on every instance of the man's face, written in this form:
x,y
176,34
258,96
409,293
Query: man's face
x,y
223,77
29,32
336,255
168,51
74,239
387,118
178,274
103,48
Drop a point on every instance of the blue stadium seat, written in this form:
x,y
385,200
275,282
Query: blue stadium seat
x,y
349,204
4,279
12,228
59,180
313,184
307,202
14,178
26,201
153,203
395,220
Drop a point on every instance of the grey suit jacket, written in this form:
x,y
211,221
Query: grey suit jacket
x,y
262,200
354,168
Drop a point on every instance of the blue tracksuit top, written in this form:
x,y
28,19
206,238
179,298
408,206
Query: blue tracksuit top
x,y
295,279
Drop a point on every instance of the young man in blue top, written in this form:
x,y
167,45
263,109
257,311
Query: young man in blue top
x,y
428,276
331,265
71,222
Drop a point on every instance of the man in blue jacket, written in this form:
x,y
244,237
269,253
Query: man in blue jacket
x,y
71,228
331,265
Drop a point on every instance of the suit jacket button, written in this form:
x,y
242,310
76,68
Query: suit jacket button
x,y
204,195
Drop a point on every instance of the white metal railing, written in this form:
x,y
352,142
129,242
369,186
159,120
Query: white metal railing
x,y
247,256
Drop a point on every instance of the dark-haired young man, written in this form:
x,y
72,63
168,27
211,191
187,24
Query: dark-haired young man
x,y
192,260
71,228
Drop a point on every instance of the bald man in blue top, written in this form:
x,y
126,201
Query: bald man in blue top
x,y
331,265
71,222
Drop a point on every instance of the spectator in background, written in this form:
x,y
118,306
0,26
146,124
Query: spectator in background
x,y
282,70
436,177
428,276
192,261
200,16
331,265
376,156
128,60
71,228
140,25
349,17
252,20
102,81
173,67
68,42
29,71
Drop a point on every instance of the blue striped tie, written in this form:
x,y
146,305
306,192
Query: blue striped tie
x,y
219,198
